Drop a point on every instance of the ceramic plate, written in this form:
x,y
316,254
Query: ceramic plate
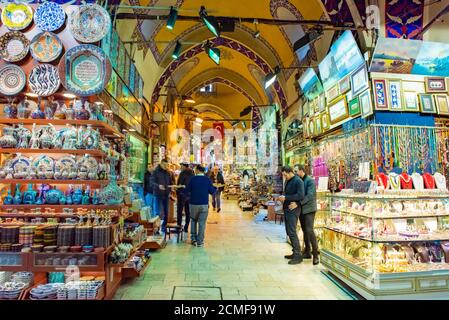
x,y
85,70
49,16
44,80
89,23
17,16
46,47
12,79
14,46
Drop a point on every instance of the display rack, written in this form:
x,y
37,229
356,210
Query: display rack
x,y
389,247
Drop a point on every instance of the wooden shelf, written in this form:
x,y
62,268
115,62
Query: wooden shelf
x,y
96,153
133,273
53,181
101,125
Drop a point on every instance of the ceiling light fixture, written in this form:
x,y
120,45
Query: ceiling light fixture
x,y
256,34
173,15
213,53
199,120
107,111
69,95
132,130
272,77
177,51
31,95
189,99
210,22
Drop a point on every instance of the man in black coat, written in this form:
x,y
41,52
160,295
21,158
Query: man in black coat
x,y
218,182
293,194
160,180
148,188
182,197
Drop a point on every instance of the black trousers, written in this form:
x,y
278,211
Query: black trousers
x,y
307,225
183,204
291,221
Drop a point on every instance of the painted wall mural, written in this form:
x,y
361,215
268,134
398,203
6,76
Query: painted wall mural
x,y
404,18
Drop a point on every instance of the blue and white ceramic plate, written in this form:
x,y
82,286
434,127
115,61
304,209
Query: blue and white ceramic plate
x,y
49,16
44,80
12,79
89,23
46,47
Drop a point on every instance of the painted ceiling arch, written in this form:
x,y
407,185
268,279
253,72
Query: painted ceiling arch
x,y
225,42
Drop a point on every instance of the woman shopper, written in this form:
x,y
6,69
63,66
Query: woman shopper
x,y
198,189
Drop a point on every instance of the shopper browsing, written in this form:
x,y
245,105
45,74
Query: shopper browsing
x,y
307,217
198,189
160,180
218,182
182,197
293,194
148,189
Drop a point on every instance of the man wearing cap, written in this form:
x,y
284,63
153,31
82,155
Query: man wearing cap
x,y
182,197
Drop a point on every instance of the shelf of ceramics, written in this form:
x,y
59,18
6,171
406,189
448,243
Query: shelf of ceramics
x,y
55,182
392,238
13,261
104,127
58,262
131,272
27,294
95,153
393,216
58,206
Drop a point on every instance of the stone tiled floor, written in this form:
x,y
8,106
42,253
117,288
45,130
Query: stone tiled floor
x,y
241,257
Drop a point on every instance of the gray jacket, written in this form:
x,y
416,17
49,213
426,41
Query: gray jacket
x,y
308,203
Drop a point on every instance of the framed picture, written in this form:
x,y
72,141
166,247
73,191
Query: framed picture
x,y
305,126
311,124
427,104
321,103
435,84
318,129
338,111
325,123
354,107
366,104
395,95
410,101
332,93
380,94
344,85
359,81
442,103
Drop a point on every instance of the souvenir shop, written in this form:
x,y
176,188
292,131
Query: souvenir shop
x,y
67,152
374,136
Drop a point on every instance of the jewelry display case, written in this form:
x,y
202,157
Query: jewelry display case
x,y
388,246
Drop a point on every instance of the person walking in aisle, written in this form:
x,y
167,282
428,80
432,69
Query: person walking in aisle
x,y
245,179
148,189
307,217
198,189
293,194
161,179
182,198
218,182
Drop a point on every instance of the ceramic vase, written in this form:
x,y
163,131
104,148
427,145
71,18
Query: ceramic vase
x,y
8,199
52,196
77,197
10,110
23,110
18,195
112,194
8,140
29,196
82,113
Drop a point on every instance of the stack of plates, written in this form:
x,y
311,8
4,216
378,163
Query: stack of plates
x,y
83,236
26,236
50,235
23,277
10,234
66,236
102,236
11,290
45,291
4,276
39,236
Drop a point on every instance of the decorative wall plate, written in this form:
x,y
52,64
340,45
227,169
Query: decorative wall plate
x,y
44,80
85,70
14,46
17,16
89,23
46,47
49,16
12,79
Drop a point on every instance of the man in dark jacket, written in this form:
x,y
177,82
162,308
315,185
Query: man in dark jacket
x,y
218,182
307,218
182,197
160,180
293,194
148,189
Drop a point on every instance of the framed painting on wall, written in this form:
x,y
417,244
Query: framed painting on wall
x,y
427,103
344,85
410,101
366,104
435,85
325,123
321,103
442,103
380,94
332,93
395,95
338,111
318,127
311,129
305,126
359,81
354,107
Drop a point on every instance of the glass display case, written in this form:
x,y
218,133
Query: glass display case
x,y
387,246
